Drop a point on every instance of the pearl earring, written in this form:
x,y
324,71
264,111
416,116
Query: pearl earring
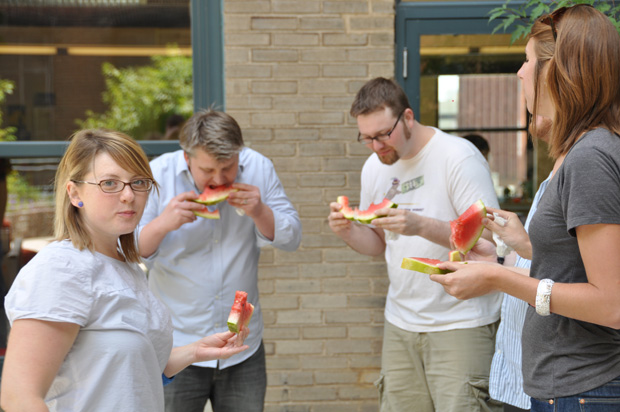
x,y
80,204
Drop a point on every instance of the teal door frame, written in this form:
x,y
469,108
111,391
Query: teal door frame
x,y
208,77
208,53
414,19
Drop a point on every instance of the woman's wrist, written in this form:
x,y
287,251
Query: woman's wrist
x,y
496,277
525,250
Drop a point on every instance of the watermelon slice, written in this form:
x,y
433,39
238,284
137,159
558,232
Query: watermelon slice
x,y
364,216
206,213
424,265
240,313
368,215
211,196
466,230
346,209
455,256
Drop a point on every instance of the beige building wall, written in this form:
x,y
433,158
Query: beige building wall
x,y
292,69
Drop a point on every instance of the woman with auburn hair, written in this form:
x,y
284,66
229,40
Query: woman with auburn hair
x,y
87,334
571,334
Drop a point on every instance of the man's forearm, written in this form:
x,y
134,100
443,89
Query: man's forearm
x,y
436,231
365,240
151,237
265,223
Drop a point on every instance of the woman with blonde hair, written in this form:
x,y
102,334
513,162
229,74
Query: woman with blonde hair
x,y
571,334
87,334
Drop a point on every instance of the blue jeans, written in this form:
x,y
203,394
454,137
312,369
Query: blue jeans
x,y
605,398
238,388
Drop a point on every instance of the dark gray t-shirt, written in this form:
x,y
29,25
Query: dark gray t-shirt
x,y
563,356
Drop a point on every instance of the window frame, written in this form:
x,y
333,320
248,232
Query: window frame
x,y
208,83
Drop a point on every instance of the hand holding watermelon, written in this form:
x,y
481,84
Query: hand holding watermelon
x,y
180,210
247,198
400,221
483,251
338,221
512,232
467,281
219,346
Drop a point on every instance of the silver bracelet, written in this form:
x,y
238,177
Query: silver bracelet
x,y
543,297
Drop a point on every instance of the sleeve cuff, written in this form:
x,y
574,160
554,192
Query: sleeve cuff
x,y
166,380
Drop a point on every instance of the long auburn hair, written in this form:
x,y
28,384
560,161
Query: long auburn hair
x,y
75,164
583,77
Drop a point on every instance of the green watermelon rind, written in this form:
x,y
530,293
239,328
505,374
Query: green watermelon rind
x,y
416,265
367,216
241,311
217,198
455,256
457,226
215,215
233,323
346,210
364,216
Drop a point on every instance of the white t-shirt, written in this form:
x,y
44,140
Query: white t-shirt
x,y
125,337
444,179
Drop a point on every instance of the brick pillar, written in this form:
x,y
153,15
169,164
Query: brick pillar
x,y
292,69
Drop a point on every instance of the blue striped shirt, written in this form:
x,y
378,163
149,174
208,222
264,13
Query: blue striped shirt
x,y
506,379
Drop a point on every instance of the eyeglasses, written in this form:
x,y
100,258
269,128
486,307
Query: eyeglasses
x,y
115,186
552,19
382,137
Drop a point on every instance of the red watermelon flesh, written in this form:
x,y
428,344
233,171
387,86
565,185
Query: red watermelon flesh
x,y
213,195
466,230
240,313
364,216
346,209
368,215
206,213
423,265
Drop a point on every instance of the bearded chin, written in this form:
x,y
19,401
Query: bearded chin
x,y
393,157
389,159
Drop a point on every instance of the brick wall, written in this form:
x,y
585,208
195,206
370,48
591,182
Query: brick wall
x,y
292,70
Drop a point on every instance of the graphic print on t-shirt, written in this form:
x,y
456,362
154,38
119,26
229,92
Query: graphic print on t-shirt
x,y
412,184
408,186
393,190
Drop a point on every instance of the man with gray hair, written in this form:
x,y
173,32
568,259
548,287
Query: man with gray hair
x,y
197,264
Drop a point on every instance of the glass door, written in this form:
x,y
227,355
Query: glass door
x,y
462,79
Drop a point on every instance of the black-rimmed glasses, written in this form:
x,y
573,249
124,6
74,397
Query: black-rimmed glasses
x,y
115,186
382,137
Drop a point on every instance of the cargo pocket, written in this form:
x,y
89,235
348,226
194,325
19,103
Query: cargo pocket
x,y
380,384
480,390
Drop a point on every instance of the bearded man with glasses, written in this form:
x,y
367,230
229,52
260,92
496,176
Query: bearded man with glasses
x,y
437,350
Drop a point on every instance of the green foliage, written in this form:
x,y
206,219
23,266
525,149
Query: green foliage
x,y
17,186
20,190
7,133
519,19
140,98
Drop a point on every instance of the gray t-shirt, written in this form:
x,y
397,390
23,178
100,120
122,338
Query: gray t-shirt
x,y
563,356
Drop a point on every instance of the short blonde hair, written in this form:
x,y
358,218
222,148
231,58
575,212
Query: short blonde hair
x,y
76,163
